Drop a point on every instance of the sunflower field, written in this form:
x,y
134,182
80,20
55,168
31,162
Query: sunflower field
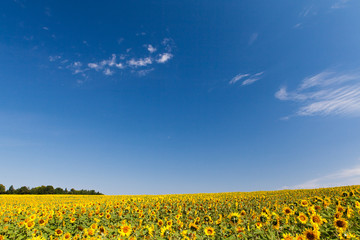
x,y
327,213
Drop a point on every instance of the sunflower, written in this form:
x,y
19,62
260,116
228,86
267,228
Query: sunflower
x,y
58,232
42,222
29,225
193,227
317,219
184,233
91,231
263,218
341,224
218,221
287,236
102,230
276,223
304,203
239,229
93,226
160,222
169,223
340,208
165,231
125,230
287,211
302,218
311,234
207,219
209,231
338,214
150,230
67,236
318,208
234,217
300,237
345,194
258,225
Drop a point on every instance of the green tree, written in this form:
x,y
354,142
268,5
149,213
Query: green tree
x,y
11,190
2,189
23,190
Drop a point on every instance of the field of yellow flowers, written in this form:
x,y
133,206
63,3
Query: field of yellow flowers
x,y
327,213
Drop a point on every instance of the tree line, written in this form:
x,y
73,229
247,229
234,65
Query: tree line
x,y
45,190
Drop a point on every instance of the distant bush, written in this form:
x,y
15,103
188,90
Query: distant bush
x,y
45,190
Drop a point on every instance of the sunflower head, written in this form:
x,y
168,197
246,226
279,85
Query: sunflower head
x,y
311,234
287,236
341,224
209,231
234,217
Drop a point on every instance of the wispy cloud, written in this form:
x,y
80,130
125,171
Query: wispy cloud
x,y
307,11
142,62
144,72
48,12
163,58
253,38
108,72
298,25
326,93
76,67
238,78
344,177
252,79
54,58
340,4
151,49
247,78
94,66
121,61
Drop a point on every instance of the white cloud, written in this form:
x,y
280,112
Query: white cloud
x,y
164,57
253,38
282,94
94,66
54,58
139,65
108,72
144,72
340,4
168,43
344,177
310,10
120,65
238,77
151,49
250,81
142,62
248,78
46,28
110,62
77,64
76,68
120,40
298,25
326,93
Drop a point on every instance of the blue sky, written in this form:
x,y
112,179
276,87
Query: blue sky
x,y
156,97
